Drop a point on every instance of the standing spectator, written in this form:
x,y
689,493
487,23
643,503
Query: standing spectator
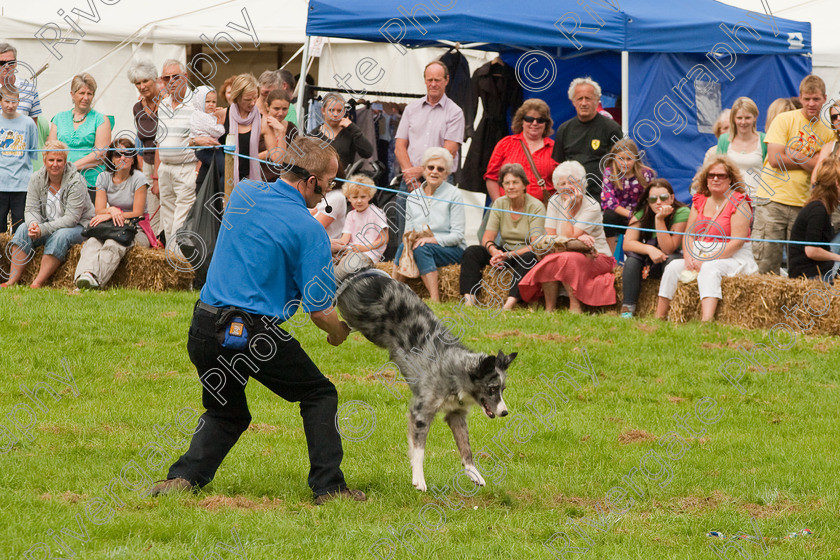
x,y
625,179
720,128
243,126
287,82
711,252
433,121
779,106
174,177
224,91
831,150
793,147
277,134
205,122
814,224
18,135
436,206
531,130
86,131
341,133
28,104
589,136
587,279
120,195
743,144
268,82
144,76
57,209
649,252
518,218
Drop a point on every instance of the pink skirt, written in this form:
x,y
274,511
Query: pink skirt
x,y
592,280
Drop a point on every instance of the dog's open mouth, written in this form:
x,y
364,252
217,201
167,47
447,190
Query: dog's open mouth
x,y
487,410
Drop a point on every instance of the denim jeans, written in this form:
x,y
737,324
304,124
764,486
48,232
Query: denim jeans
x,y
275,359
432,256
57,243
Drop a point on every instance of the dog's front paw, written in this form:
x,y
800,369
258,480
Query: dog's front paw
x,y
476,477
419,483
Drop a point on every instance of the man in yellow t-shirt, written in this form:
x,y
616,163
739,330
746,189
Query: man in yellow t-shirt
x,y
793,148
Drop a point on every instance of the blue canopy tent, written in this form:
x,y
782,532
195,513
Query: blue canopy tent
x,y
674,64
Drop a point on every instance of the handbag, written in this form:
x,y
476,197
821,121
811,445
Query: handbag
x,y
540,180
103,231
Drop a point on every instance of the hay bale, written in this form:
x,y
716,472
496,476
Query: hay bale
x,y
140,269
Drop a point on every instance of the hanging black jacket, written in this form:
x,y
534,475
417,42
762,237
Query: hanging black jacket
x,y
496,85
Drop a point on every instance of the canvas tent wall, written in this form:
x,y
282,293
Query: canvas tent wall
x,y
652,53
154,29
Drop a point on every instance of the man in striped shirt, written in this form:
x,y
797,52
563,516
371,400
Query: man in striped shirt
x,y
174,177
29,104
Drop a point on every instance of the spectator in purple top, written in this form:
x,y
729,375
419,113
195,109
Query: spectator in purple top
x,y
625,179
433,121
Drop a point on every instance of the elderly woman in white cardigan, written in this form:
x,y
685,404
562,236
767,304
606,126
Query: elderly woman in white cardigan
x,y
437,204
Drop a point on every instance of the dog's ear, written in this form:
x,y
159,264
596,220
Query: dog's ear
x,y
486,366
504,360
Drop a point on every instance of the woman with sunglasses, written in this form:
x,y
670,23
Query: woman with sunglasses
x,y
120,195
651,251
529,146
743,143
438,206
87,132
716,243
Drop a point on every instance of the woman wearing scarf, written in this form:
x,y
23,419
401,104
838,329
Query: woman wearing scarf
x,y
242,126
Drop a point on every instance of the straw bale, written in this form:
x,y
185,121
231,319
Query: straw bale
x,y
140,269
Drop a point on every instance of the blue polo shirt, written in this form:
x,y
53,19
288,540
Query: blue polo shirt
x,y
271,256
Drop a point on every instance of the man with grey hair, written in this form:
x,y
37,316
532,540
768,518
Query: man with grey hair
x,y
587,137
174,177
269,81
144,76
29,103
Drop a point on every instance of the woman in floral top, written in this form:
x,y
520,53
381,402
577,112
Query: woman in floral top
x,y
625,179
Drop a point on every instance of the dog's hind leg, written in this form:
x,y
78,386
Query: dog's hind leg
x,y
418,429
457,420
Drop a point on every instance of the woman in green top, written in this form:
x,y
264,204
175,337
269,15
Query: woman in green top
x,y
518,231
86,132
647,252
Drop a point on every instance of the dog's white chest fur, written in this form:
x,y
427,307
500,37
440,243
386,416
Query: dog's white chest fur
x,y
457,402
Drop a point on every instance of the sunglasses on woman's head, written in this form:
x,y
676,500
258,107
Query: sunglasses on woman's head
x,y
540,120
663,197
437,168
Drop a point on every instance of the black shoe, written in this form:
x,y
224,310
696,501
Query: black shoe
x,y
356,495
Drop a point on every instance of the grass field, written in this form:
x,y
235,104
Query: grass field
x,y
765,461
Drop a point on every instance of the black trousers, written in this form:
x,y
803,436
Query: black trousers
x,y
276,360
631,276
14,202
613,218
477,257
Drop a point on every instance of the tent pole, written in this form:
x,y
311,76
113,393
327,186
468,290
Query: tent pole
x,y
625,92
304,68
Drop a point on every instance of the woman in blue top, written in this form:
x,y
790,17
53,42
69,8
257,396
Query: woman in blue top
x,y
86,132
438,206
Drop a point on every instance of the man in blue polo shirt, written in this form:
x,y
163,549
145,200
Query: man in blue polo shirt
x,y
271,257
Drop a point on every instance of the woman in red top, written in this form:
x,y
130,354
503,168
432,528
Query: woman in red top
x,y
531,127
720,211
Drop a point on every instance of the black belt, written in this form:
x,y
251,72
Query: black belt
x,y
207,307
224,313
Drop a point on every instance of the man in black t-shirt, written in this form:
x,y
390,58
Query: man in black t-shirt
x,y
589,136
